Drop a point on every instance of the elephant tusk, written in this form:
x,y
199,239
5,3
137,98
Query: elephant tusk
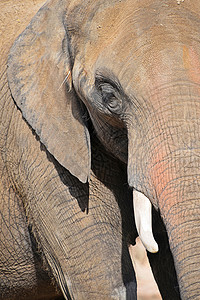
x,y
143,219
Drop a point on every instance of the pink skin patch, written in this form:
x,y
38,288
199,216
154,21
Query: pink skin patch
x,y
159,169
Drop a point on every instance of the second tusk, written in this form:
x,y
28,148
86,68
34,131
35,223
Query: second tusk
x,y
143,220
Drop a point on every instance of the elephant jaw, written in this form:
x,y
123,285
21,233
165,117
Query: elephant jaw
x,y
143,220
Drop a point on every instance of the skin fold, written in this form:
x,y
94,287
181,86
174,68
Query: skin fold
x,y
99,102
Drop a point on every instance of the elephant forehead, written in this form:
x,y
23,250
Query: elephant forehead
x,y
127,28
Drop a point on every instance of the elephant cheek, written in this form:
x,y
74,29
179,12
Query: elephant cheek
x,y
134,159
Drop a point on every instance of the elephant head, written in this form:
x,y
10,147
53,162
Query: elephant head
x,y
133,68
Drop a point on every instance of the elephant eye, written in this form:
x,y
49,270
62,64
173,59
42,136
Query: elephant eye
x,y
110,98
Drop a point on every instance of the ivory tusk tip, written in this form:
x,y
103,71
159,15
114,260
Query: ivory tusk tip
x,y
150,244
153,249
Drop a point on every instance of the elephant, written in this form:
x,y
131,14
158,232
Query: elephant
x,y
100,113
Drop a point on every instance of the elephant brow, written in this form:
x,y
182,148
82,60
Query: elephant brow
x,y
105,76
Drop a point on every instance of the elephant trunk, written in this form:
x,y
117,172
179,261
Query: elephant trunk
x,y
180,210
168,174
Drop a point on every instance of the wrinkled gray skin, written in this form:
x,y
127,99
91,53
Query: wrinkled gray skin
x,y
100,97
50,222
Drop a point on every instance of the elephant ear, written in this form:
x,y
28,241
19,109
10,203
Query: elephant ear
x,y
38,72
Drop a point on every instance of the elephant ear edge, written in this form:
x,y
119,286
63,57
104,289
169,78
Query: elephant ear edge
x,y
38,66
